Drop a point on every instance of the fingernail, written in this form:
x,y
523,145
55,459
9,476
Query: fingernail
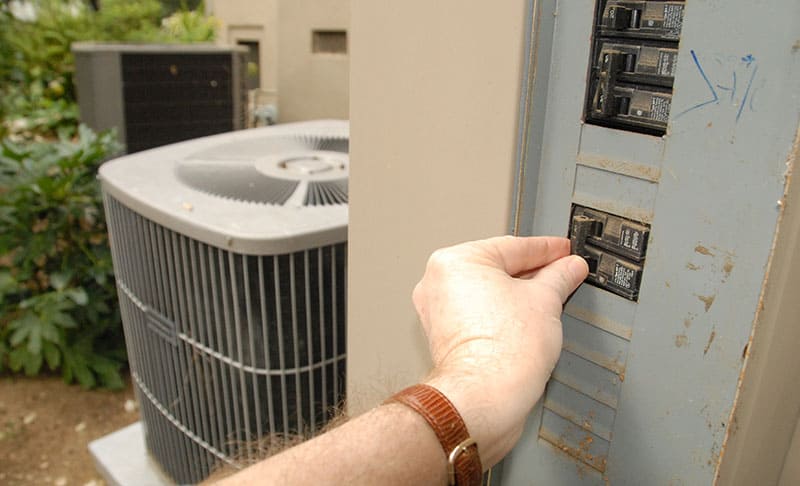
x,y
578,267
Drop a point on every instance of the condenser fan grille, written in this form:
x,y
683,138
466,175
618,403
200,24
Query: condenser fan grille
x,y
255,148
226,349
237,182
325,193
260,171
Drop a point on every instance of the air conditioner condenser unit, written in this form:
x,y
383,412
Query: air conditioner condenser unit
x,y
230,258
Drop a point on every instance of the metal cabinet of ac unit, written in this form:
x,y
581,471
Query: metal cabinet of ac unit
x,y
157,94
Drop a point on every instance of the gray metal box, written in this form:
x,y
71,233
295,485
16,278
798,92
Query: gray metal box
x,y
693,383
156,94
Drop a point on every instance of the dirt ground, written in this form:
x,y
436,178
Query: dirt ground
x,y
46,427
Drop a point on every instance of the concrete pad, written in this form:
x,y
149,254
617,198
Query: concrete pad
x,y
122,458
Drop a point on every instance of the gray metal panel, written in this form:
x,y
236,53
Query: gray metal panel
x,y
711,188
535,460
533,107
99,89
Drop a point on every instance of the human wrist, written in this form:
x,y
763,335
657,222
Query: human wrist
x,y
483,409
460,449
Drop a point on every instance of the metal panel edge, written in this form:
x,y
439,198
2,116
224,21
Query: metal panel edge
x,y
533,108
768,399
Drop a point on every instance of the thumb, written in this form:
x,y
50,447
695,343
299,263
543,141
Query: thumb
x,y
563,275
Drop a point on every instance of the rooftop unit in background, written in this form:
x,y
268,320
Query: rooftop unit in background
x,y
230,258
156,94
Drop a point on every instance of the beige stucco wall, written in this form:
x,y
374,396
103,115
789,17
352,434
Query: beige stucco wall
x,y
434,106
311,85
245,20
307,85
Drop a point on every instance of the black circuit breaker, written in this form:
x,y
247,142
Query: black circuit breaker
x,y
632,68
614,248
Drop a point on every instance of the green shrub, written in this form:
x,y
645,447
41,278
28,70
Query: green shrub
x,y
190,26
57,293
58,306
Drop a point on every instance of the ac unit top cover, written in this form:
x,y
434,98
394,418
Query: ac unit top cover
x,y
153,48
263,191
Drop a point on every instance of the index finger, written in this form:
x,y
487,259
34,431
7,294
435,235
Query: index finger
x,y
516,255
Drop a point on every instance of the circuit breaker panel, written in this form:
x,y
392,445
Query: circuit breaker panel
x,y
633,60
658,136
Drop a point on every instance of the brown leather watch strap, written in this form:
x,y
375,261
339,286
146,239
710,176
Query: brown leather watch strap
x,y
459,449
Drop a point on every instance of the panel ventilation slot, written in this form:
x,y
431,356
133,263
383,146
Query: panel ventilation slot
x,y
237,182
326,193
580,403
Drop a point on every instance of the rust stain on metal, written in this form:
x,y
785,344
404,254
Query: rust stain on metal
x,y
625,210
692,266
621,376
624,167
727,268
710,340
612,364
582,453
681,340
703,250
708,300
715,453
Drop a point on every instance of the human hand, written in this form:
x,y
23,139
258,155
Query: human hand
x,y
491,312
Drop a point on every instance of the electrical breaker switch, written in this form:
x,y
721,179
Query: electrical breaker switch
x,y
613,246
636,63
614,273
637,106
613,233
633,63
617,17
582,227
645,19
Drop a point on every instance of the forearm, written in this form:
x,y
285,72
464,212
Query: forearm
x,y
490,311
390,444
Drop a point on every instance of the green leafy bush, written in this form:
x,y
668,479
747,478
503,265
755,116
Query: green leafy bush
x,y
58,306
190,26
57,293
